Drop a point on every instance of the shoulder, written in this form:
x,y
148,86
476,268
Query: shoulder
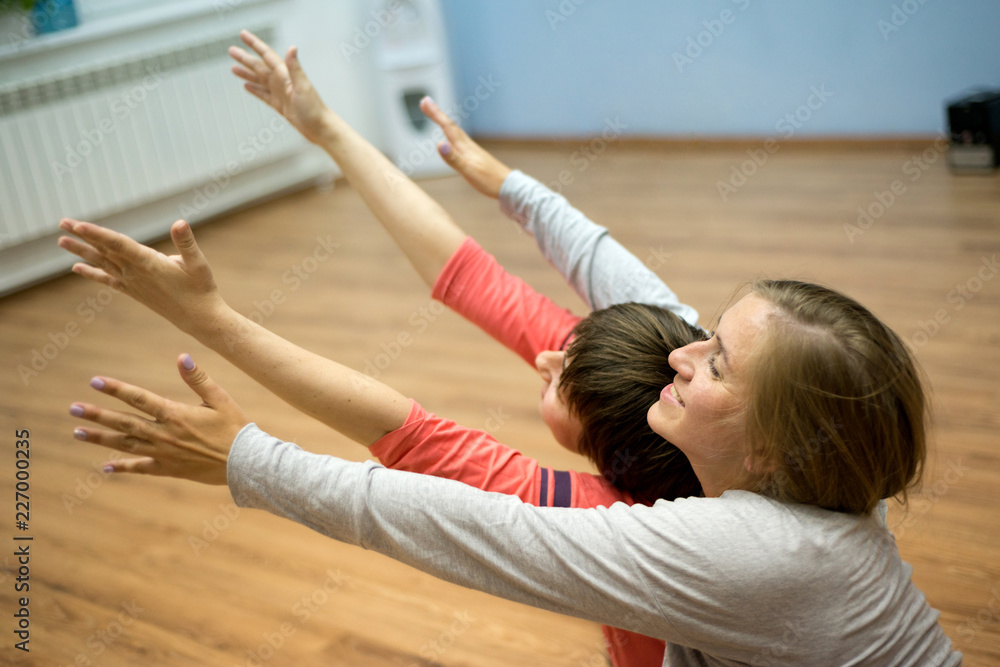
x,y
749,537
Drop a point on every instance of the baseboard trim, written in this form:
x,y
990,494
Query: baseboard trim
x,y
902,142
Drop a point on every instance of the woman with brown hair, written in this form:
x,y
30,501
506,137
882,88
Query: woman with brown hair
x,y
783,561
798,415
600,373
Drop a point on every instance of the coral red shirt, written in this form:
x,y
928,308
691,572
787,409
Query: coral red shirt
x,y
474,285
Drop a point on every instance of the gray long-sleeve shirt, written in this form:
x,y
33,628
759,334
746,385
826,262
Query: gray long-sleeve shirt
x,y
735,580
598,268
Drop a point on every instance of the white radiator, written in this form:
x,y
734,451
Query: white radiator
x,y
137,142
113,137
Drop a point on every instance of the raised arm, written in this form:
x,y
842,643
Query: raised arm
x,y
598,268
565,560
421,228
573,562
181,289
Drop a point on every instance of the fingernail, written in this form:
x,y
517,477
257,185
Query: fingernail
x,y
430,99
445,149
187,362
80,434
76,411
109,468
97,383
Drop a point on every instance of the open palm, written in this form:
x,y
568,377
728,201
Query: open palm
x,y
281,84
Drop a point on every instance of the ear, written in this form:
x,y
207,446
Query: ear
x,y
756,465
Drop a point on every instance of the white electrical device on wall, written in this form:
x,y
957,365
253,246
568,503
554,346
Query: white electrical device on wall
x,y
411,57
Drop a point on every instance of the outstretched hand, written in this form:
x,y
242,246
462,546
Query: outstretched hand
x,y
181,440
281,84
483,171
179,287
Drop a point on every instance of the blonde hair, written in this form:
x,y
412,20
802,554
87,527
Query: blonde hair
x,y
835,402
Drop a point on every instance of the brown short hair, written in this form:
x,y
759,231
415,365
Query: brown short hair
x,y
617,366
835,402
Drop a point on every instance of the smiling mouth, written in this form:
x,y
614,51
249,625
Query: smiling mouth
x,y
671,391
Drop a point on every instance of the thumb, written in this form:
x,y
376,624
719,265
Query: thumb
x,y
196,378
183,238
295,71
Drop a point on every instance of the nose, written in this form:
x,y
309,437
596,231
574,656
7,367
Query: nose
x,y
682,360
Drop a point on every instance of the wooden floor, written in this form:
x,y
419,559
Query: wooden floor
x,y
146,571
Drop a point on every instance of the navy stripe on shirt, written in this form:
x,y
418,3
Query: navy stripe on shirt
x,y
544,495
562,489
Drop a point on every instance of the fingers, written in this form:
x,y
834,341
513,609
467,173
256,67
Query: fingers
x,y
96,256
211,393
106,242
183,238
263,50
126,434
434,112
129,433
122,442
443,120
244,73
452,132
253,65
260,92
133,396
83,250
143,466
98,275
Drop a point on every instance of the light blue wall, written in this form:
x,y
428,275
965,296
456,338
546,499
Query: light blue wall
x,y
617,59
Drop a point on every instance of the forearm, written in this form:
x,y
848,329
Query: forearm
x,y
419,225
598,268
348,401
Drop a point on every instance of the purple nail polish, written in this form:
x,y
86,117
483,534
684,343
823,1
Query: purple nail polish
x,y
76,411
97,383
187,362
445,149
109,468
80,434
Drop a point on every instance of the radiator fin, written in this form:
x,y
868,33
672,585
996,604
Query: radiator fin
x,y
114,136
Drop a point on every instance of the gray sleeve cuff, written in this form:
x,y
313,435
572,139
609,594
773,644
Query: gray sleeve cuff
x,y
514,197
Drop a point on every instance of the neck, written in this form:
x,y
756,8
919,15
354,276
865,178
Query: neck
x,y
716,476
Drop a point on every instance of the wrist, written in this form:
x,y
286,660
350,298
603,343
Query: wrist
x,y
217,323
330,129
501,172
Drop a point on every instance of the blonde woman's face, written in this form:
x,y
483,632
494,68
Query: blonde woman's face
x,y
702,411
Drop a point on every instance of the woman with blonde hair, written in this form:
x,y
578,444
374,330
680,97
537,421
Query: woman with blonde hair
x,y
798,416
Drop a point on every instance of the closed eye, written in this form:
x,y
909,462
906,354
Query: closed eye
x,y
713,369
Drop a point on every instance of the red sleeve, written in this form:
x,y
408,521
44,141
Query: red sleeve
x,y
434,446
430,445
475,286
